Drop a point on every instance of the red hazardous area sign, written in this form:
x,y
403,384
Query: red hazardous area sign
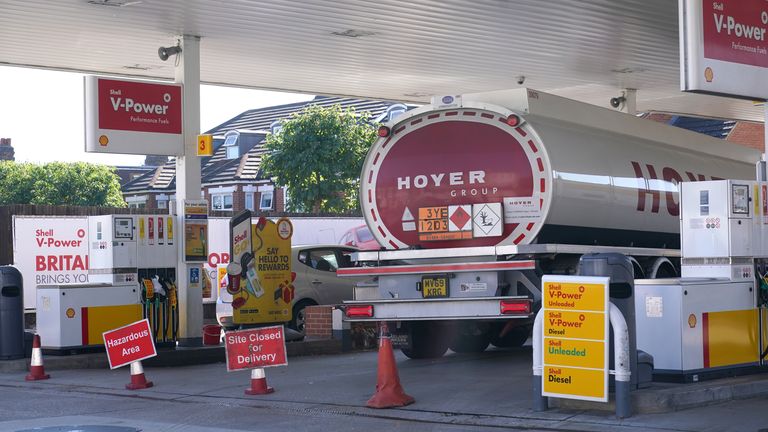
x,y
129,344
255,348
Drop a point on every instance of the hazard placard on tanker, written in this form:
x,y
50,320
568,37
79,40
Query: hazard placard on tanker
x,y
444,223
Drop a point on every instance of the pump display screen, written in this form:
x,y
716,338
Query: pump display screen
x,y
740,199
124,228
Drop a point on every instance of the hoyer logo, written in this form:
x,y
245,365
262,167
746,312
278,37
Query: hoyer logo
x,y
455,178
671,179
130,105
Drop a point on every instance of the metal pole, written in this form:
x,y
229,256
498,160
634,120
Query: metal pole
x,y
188,186
540,403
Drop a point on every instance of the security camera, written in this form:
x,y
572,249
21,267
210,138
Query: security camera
x,y
165,52
520,80
617,102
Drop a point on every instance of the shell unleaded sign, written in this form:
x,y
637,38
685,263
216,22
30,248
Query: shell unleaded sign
x,y
133,117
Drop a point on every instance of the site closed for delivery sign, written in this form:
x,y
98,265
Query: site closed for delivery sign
x,y
50,251
575,337
255,348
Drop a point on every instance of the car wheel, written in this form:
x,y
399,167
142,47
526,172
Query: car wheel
x,y
298,321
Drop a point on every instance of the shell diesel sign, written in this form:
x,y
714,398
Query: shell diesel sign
x,y
133,117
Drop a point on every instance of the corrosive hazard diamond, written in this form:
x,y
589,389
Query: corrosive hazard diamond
x,y
458,217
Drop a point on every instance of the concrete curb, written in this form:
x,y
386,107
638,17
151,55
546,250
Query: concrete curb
x,y
662,398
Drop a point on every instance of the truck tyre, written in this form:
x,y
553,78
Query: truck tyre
x,y
514,338
470,338
428,340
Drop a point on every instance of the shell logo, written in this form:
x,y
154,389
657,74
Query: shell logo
x,y
103,140
692,321
709,75
70,313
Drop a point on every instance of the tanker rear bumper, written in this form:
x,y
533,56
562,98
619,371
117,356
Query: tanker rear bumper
x,y
480,308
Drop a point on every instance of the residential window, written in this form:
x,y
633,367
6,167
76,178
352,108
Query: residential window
x,y
276,126
140,204
230,144
221,202
162,204
249,201
266,200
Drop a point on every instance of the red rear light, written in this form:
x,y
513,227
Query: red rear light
x,y
362,311
384,131
513,120
511,307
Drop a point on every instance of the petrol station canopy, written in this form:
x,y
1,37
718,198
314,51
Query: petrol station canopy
x,y
384,49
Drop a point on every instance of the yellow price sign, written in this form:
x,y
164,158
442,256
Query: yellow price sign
x,y
574,352
574,296
579,325
575,383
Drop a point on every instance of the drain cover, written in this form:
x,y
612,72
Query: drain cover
x,y
86,428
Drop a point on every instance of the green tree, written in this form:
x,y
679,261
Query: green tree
x,y
59,183
318,155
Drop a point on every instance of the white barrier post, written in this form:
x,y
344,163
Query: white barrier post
x,y
540,403
621,362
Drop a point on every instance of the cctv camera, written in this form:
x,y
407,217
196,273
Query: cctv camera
x,y
616,102
165,52
520,80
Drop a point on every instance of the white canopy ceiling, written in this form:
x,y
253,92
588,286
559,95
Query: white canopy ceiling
x,y
385,49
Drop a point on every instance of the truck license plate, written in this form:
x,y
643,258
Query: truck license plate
x,y
434,286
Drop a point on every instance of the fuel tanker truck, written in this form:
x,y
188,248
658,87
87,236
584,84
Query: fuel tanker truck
x,y
474,197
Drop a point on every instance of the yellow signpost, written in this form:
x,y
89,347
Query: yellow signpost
x,y
575,337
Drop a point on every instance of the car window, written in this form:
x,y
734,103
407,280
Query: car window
x,y
364,234
321,259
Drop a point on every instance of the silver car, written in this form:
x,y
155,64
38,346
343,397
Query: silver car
x,y
316,282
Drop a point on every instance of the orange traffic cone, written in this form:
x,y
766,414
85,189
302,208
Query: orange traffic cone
x,y
138,380
36,369
389,392
258,383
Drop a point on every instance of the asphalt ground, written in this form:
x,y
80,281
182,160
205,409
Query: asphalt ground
x,y
482,392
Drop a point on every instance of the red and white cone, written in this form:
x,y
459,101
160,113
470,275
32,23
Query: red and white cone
x,y
389,392
36,369
138,380
258,383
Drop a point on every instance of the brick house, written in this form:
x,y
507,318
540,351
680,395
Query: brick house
x,y
232,179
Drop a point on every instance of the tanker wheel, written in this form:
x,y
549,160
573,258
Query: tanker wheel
x,y
429,339
514,338
470,338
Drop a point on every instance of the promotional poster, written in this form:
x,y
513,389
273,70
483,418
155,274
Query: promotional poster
x,y
264,289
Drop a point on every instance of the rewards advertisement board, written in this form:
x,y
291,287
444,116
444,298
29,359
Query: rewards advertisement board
x,y
264,291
